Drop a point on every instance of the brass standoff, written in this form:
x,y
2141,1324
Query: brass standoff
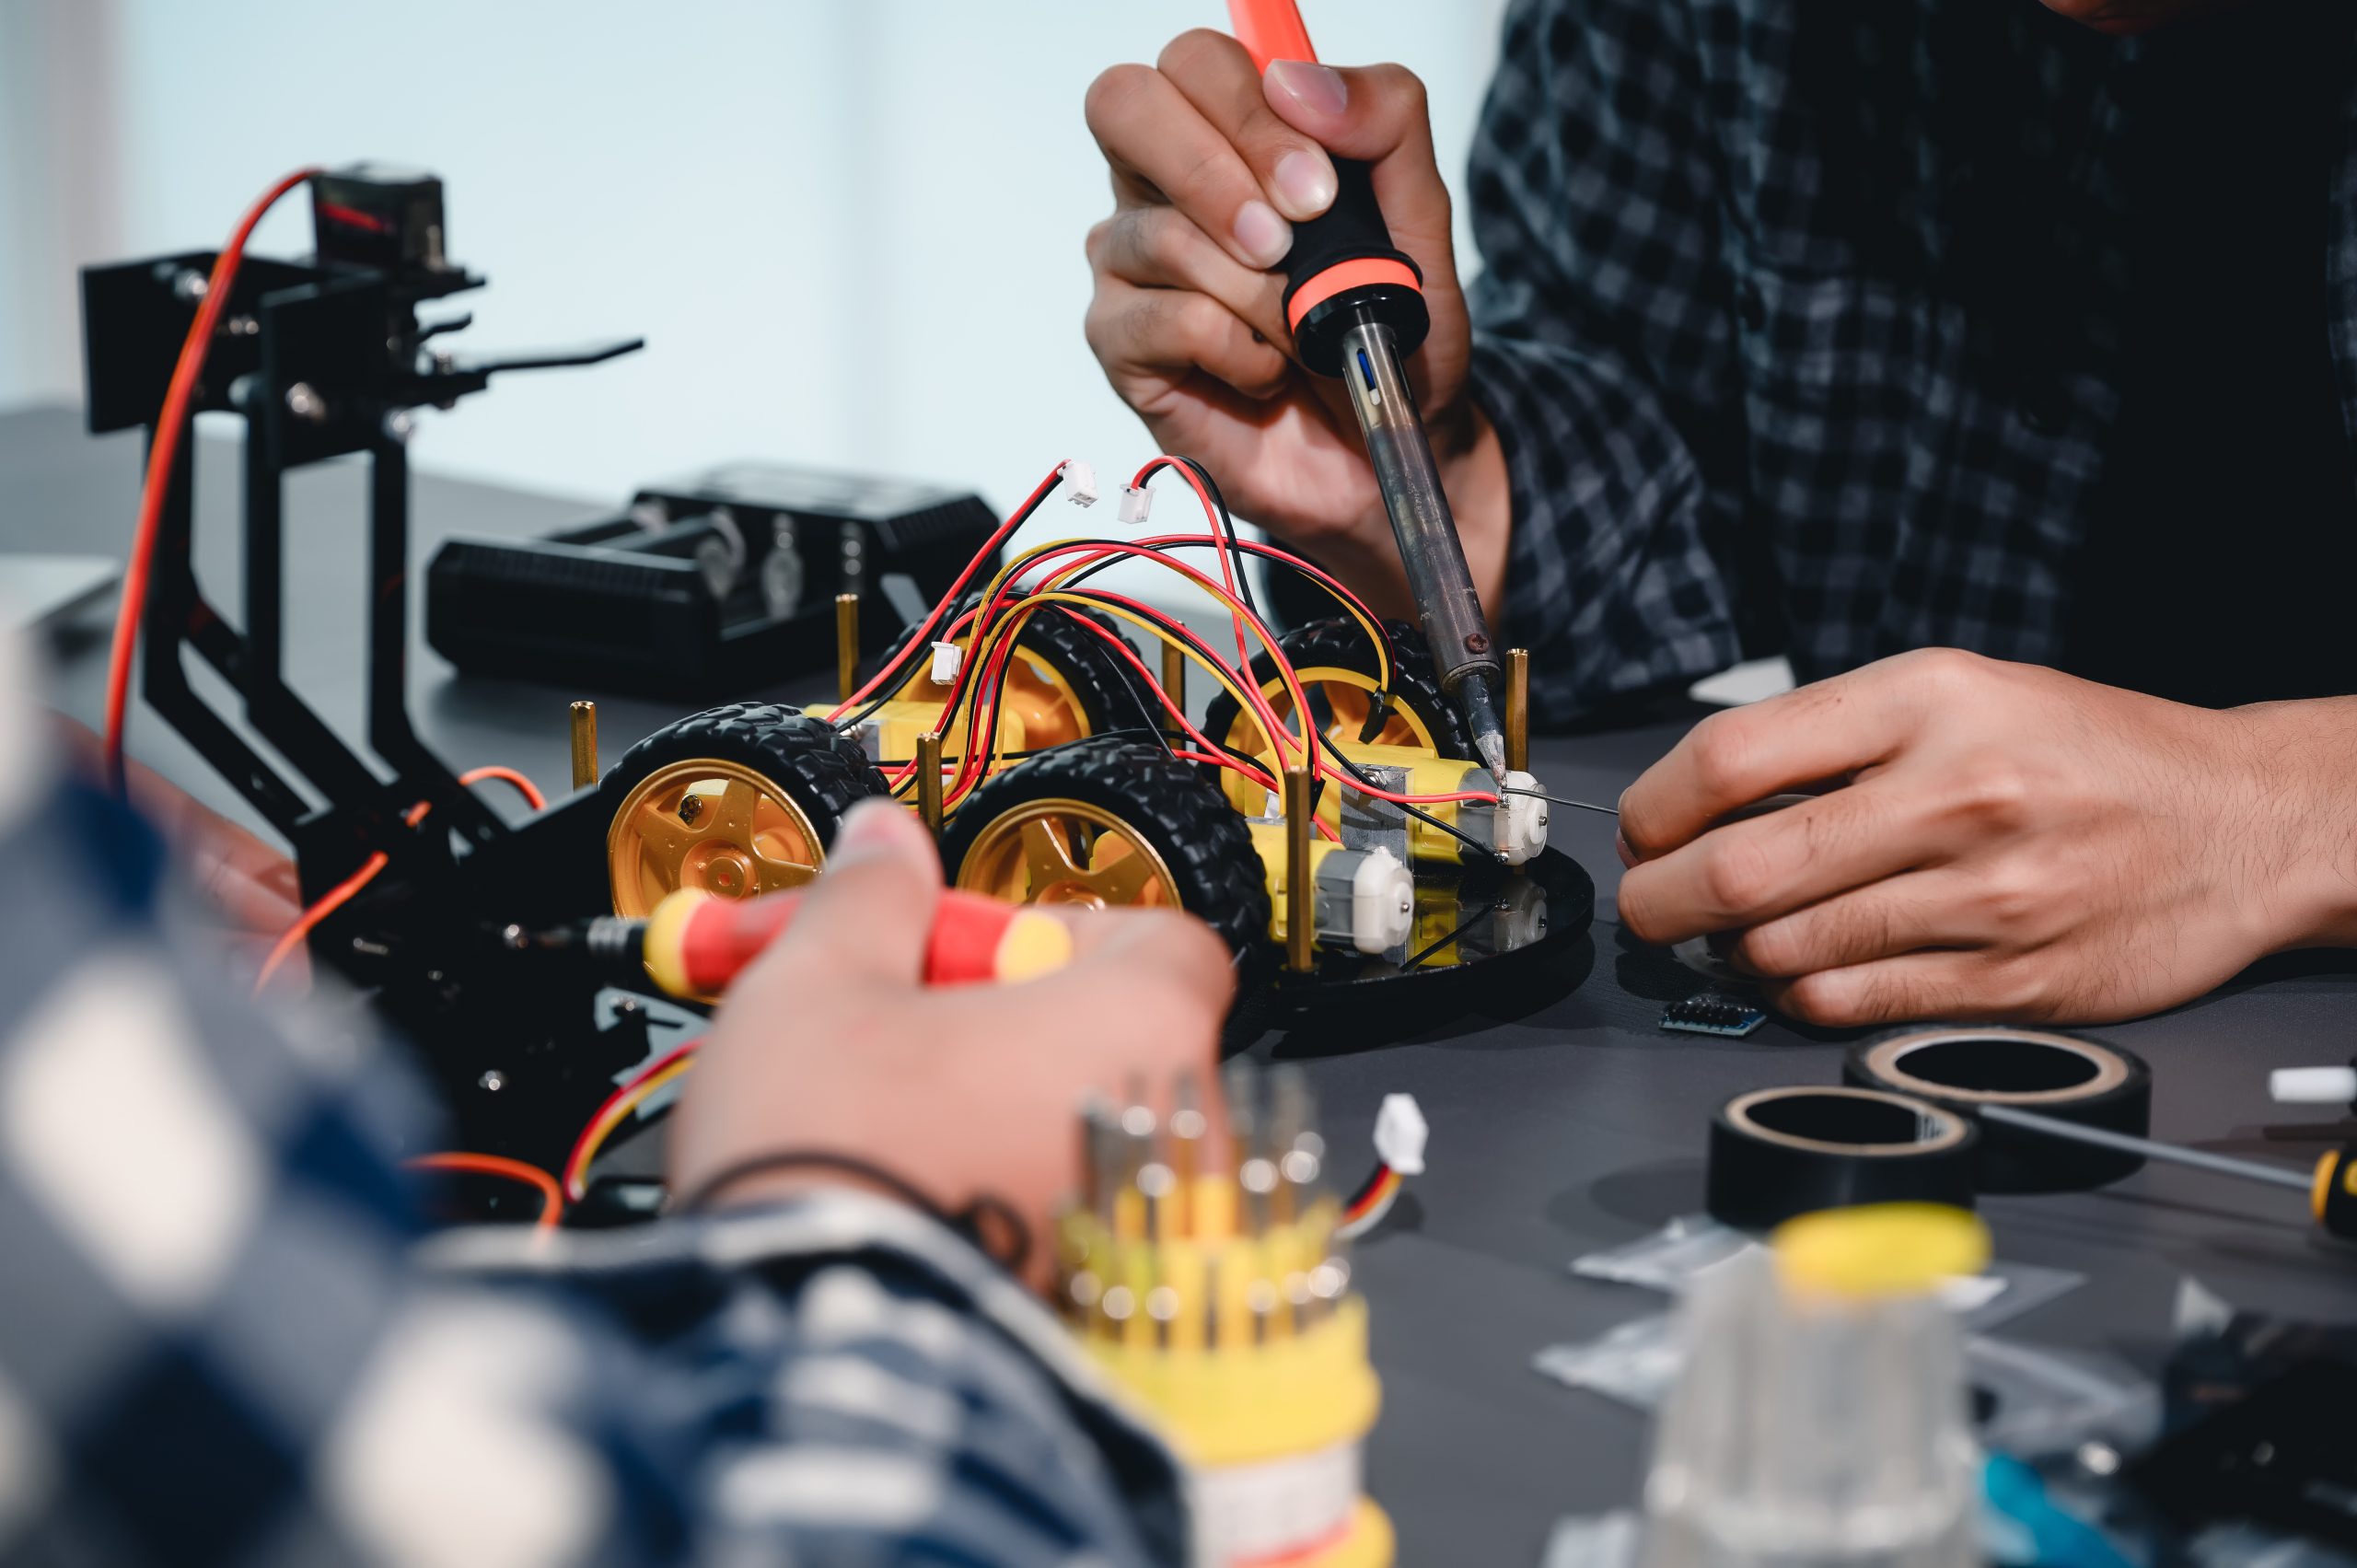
x,y
585,744
929,780
1300,887
846,645
1518,710
1174,683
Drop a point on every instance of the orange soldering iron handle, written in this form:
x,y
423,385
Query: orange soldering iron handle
x,y
696,944
1343,271
1269,30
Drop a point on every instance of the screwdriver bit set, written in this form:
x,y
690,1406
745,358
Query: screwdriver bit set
x,y
1199,1265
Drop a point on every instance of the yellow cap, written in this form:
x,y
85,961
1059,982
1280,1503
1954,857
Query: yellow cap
x,y
1880,1250
1032,945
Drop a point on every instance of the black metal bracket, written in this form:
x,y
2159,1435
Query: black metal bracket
x,y
321,359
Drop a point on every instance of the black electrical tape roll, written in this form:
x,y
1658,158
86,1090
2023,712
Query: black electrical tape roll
x,y
1777,1153
1964,1066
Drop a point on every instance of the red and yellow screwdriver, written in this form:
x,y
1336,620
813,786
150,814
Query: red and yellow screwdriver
x,y
693,944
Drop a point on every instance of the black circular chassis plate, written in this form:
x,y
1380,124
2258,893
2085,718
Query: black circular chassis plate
x,y
1487,926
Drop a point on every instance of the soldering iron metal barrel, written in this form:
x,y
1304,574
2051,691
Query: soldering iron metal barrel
x,y
1421,519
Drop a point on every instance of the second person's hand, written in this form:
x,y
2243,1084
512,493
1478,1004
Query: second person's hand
x,y
1212,165
2012,843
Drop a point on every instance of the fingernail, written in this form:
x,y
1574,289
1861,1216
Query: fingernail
x,y
1627,856
1264,237
867,829
1314,86
1304,183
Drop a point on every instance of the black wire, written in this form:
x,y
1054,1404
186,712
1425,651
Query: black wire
x,y
998,691
1310,726
1243,578
1484,850
1542,794
886,688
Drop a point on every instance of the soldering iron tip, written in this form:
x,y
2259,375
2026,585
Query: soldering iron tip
x,y
1492,748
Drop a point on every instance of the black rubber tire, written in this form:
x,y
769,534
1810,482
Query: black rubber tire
x,y
823,771
1185,820
1341,643
1105,689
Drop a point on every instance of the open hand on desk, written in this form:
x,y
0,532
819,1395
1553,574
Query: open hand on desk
x,y
1211,165
828,1042
2012,843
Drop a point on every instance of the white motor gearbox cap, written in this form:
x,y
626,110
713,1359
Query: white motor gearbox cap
x,y
1521,831
1383,902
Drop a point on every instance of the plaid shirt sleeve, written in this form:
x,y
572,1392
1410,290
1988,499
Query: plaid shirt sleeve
x,y
221,1343
1601,330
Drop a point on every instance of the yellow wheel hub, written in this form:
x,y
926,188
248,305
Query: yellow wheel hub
x,y
720,827
1066,852
1347,696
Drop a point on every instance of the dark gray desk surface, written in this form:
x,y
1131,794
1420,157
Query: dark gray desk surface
x,y
1571,1124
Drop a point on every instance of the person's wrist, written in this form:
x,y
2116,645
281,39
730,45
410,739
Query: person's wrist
x,y
1473,471
2296,844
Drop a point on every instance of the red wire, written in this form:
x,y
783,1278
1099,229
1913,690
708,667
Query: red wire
x,y
524,786
334,898
583,1142
343,893
1055,475
170,422
1212,512
551,1196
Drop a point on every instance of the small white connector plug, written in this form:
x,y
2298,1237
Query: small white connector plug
x,y
1383,902
1399,1135
946,659
2312,1085
1135,502
1080,480
1521,830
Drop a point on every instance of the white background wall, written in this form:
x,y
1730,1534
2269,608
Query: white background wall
x,y
851,232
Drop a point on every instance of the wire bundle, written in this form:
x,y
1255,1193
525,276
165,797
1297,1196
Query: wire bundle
x,y
1055,573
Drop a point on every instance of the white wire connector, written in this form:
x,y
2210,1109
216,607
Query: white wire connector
x,y
945,657
1135,502
1081,479
2312,1085
1399,1135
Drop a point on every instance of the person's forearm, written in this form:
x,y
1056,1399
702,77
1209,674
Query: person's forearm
x,y
2304,818
1473,471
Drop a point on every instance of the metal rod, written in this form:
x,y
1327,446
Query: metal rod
x,y
1301,918
846,645
929,780
2173,1154
1517,710
585,744
1174,683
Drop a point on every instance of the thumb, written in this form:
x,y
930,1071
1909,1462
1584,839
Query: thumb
x,y
869,915
1378,115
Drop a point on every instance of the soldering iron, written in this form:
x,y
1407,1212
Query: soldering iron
x,y
1356,304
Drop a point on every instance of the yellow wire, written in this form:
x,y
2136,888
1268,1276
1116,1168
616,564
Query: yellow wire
x,y
1217,671
619,1112
1010,624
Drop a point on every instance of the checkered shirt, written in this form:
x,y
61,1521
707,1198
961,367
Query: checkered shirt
x,y
1799,322
220,1340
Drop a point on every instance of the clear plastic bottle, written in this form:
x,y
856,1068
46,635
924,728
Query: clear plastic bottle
x,y
1821,1417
